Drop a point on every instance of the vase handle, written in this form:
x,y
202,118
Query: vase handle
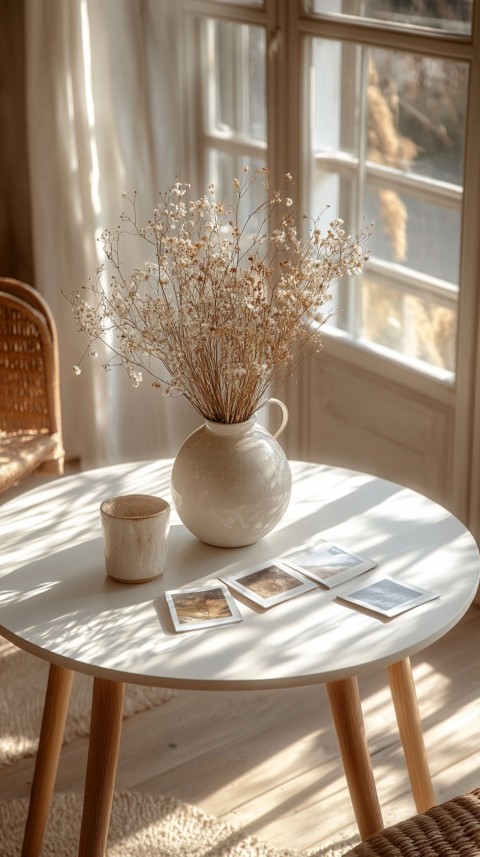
x,y
284,410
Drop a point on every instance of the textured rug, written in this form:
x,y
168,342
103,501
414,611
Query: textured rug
x,y
23,680
146,826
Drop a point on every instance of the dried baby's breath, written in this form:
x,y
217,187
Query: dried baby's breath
x,y
221,306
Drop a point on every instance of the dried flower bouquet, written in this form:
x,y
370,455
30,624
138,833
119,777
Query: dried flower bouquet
x,y
221,307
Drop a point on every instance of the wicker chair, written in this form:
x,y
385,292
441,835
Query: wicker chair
x,y
451,829
30,418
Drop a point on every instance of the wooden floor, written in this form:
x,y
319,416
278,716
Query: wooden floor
x,y
268,761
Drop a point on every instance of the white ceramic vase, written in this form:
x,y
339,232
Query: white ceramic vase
x,y
231,483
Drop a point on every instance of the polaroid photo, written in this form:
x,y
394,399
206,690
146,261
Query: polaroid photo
x,y
328,563
203,607
389,597
269,583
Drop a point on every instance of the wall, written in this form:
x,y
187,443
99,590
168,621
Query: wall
x,y
344,415
15,226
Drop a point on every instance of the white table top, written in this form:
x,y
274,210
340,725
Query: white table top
x,y
57,603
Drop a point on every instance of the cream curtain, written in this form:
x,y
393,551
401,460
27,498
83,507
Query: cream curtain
x,y
103,118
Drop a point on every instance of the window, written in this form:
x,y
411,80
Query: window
x,y
387,143
372,120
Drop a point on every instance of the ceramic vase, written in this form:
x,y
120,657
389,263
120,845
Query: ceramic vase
x,y
231,483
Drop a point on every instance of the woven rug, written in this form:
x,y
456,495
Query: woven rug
x,y
146,826
23,680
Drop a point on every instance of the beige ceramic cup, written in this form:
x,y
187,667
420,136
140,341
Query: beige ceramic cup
x,y
135,536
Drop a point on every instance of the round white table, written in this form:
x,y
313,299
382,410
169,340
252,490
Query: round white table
x,y
57,603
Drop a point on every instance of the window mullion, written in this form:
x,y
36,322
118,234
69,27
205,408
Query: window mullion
x,y
414,282
360,200
433,190
228,144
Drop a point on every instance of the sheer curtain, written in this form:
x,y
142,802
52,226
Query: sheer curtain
x,y
103,118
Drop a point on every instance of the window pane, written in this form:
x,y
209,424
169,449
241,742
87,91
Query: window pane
x,y
417,327
450,16
387,137
408,229
336,107
223,168
235,86
416,117
337,192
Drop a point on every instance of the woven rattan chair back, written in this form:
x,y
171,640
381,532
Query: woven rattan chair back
x,y
451,829
30,415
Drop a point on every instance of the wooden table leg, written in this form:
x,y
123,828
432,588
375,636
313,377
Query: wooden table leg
x,y
104,744
405,701
344,698
51,735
